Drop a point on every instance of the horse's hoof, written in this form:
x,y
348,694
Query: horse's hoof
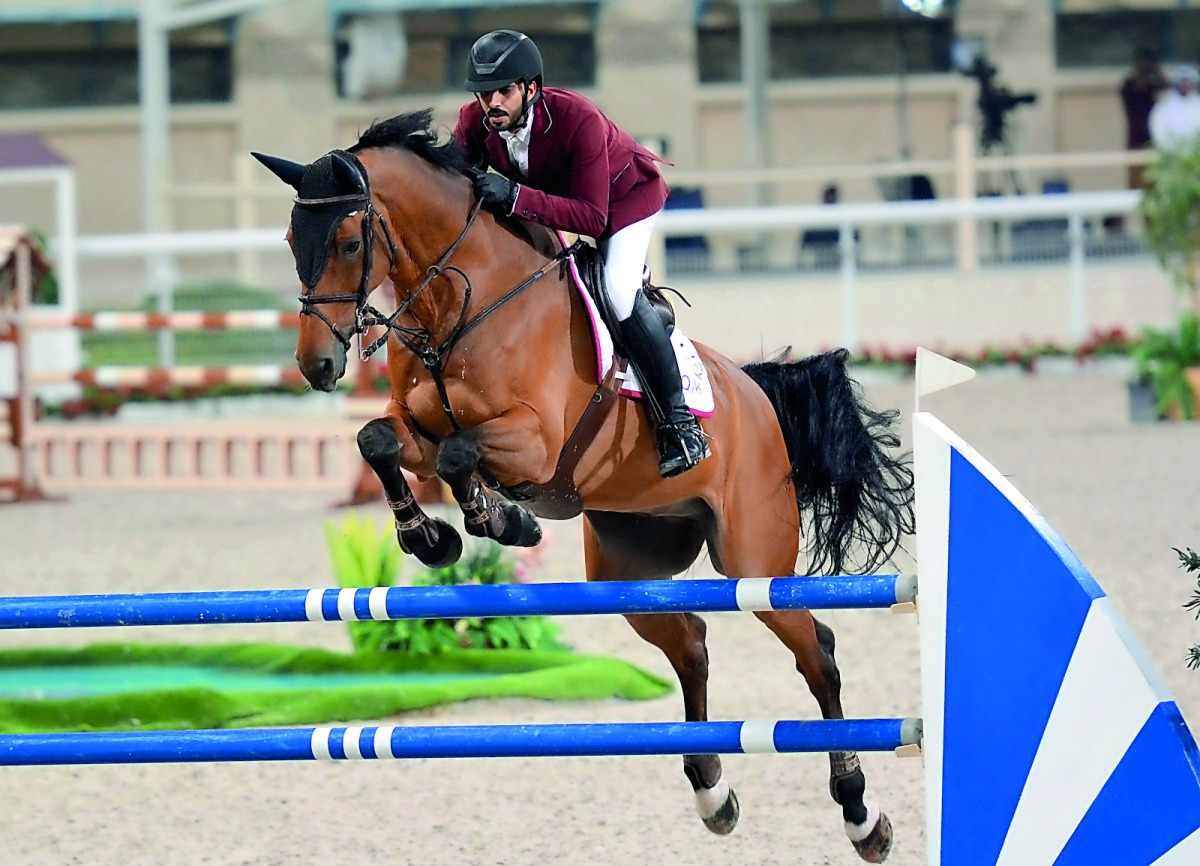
x,y
877,844
521,529
436,543
725,818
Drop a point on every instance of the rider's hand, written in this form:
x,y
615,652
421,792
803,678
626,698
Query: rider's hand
x,y
497,193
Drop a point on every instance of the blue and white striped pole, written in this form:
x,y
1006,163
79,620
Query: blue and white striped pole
x,y
436,602
461,741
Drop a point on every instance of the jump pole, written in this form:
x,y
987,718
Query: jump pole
x,y
460,741
392,603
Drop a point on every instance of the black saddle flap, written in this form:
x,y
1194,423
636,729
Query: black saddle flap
x,y
591,267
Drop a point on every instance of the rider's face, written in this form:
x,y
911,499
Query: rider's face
x,y
503,107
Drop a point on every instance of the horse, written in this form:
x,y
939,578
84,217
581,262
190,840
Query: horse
x,y
492,367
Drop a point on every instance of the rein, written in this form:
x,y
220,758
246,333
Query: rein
x,y
416,340
434,357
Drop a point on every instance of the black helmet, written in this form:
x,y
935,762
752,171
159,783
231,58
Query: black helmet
x,y
499,58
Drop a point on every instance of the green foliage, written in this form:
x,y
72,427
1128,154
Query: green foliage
x,y
363,556
1162,359
200,348
45,289
1171,209
217,296
1189,561
192,348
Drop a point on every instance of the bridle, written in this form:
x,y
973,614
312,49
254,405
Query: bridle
x,y
364,314
417,340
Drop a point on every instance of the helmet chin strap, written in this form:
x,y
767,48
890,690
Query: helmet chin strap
x,y
527,103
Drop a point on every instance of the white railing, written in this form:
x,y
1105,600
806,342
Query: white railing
x,y
964,214
729,226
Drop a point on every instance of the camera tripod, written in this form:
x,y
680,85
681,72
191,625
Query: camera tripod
x,y
1006,180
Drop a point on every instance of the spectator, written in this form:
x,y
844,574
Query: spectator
x,y
822,244
1139,92
1175,119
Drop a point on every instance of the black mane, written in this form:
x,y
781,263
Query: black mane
x,y
413,132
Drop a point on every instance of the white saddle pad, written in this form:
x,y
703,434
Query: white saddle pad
x,y
697,389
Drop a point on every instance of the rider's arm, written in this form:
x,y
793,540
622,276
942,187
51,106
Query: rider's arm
x,y
584,207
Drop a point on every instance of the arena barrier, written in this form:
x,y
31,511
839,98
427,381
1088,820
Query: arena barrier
x,y
1047,736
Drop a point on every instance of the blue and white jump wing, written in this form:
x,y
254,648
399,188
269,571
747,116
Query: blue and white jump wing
x,y
1057,749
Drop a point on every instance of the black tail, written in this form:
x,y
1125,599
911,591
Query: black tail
x,y
856,499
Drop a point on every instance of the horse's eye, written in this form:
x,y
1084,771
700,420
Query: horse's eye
x,y
351,248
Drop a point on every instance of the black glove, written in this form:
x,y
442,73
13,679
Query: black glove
x,y
496,192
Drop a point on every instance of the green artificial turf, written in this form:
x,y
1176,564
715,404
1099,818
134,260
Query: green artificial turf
x,y
430,680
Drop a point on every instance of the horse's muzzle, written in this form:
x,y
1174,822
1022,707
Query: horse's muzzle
x,y
322,371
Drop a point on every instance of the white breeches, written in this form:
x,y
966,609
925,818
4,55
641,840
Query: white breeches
x,y
624,260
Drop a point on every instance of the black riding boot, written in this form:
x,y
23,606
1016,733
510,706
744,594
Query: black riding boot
x,y
681,441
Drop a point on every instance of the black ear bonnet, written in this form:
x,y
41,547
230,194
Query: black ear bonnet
x,y
330,189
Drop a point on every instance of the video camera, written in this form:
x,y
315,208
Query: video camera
x,y
995,101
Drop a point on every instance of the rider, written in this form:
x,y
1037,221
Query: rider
x,y
565,165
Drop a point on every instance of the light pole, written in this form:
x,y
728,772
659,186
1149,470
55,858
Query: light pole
x,y
755,34
155,22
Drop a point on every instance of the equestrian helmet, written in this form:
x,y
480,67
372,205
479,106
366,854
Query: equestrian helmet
x,y
499,58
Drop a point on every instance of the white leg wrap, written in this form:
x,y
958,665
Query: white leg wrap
x,y
858,832
710,800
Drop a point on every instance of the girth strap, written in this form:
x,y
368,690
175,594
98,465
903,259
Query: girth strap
x,y
558,498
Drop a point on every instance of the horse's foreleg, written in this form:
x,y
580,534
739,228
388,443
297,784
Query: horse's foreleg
x,y
432,540
812,645
485,515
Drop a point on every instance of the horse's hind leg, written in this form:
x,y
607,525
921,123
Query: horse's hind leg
x,y
432,540
632,547
681,638
812,644
484,516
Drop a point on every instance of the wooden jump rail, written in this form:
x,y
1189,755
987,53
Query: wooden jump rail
x,y
264,455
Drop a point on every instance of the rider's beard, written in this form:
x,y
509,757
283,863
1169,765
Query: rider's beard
x,y
501,120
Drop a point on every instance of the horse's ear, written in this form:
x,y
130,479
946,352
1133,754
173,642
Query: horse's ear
x,y
287,171
347,174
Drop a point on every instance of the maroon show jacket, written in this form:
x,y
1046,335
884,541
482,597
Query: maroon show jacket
x,y
586,175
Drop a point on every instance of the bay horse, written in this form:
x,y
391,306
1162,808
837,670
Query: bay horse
x,y
492,364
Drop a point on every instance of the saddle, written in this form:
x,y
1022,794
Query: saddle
x,y
590,265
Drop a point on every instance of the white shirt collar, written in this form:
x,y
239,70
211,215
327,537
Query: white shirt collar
x,y
522,134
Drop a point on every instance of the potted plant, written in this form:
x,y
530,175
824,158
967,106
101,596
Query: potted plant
x,y
366,556
1167,360
1189,561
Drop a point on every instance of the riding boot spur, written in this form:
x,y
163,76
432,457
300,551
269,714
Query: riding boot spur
x,y
681,441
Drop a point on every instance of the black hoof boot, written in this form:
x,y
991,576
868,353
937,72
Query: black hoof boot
x,y
521,528
435,542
